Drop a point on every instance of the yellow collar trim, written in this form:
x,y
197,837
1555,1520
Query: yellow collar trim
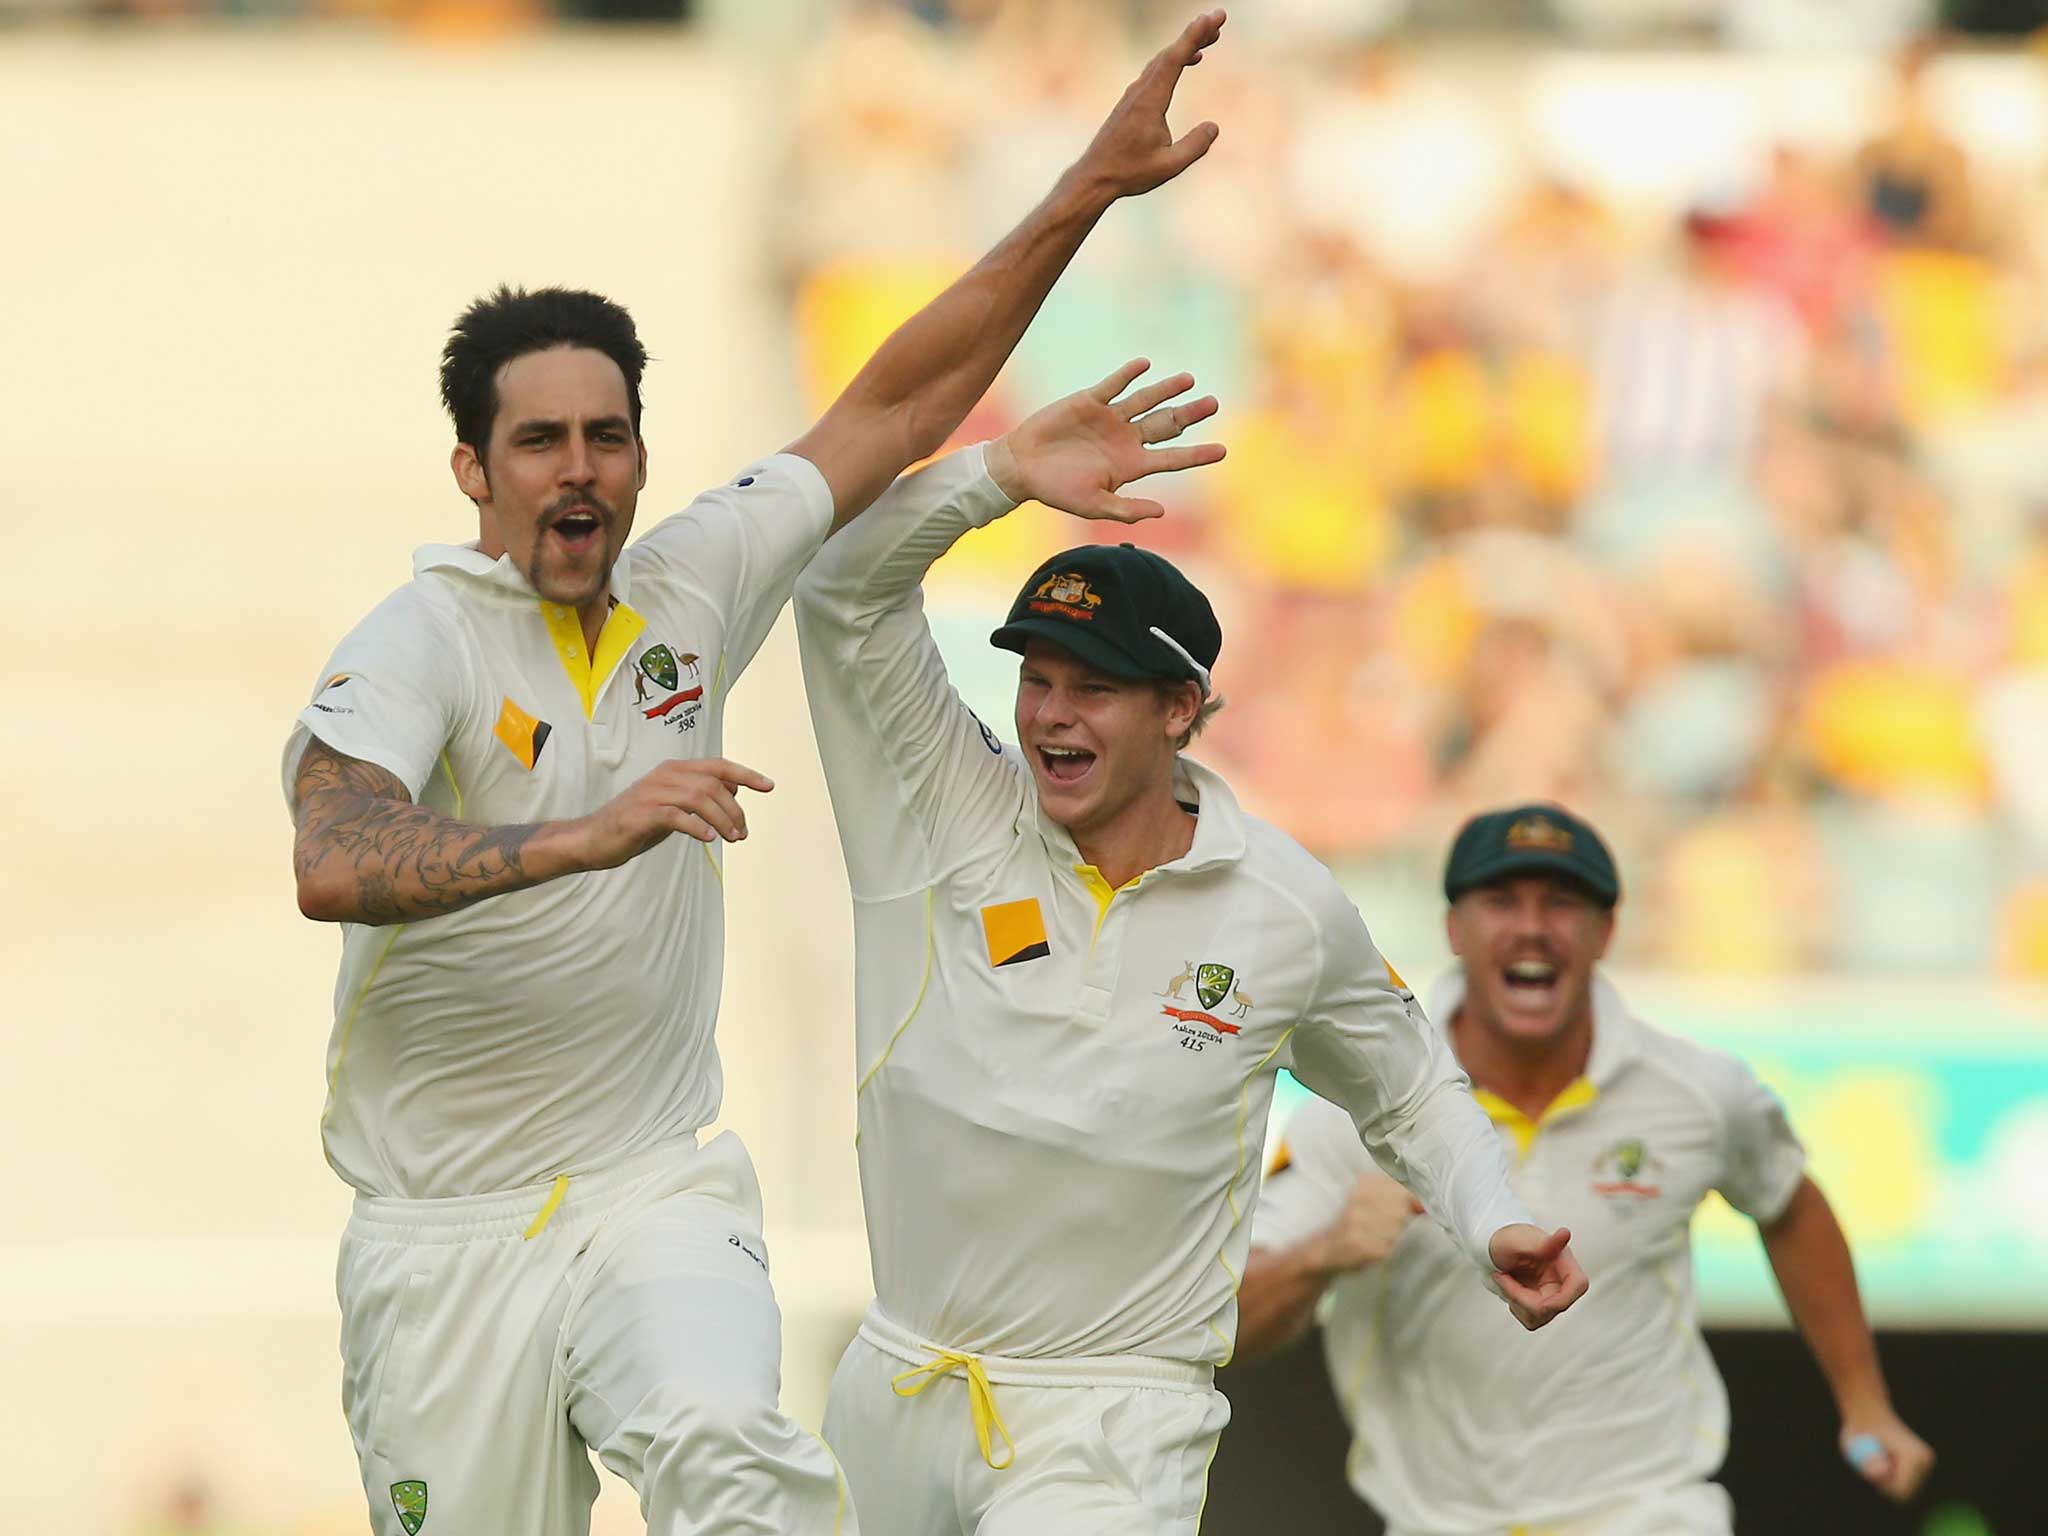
x,y
1098,886
622,626
1576,1096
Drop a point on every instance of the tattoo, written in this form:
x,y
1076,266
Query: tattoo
x,y
405,860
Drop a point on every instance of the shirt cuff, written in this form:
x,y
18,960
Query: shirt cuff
x,y
809,483
984,501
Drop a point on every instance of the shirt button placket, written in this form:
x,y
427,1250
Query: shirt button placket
x,y
1105,964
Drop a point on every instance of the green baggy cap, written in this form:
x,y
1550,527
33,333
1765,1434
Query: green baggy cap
x,y
1530,840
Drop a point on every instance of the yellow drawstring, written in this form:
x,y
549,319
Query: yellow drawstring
x,y
547,1211
981,1398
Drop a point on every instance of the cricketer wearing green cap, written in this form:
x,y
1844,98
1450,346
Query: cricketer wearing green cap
x,y
1623,1129
1080,968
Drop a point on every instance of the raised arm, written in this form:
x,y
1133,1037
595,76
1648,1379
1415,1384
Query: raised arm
x,y
913,393
365,853
911,771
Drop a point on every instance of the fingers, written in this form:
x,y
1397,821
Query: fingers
x,y
1194,37
1551,1246
737,775
1522,1301
1159,461
1415,1207
1896,1462
721,808
1118,382
1909,1471
1134,406
1189,148
1124,509
677,819
1163,425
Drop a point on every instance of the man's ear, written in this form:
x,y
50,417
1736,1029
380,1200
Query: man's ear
x,y
642,484
1451,929
469,473
1182,707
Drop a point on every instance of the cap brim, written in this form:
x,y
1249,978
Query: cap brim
x,y
1535,861
1078,639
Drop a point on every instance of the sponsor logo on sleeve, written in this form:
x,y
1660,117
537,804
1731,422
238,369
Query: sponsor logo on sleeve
x,y
988,737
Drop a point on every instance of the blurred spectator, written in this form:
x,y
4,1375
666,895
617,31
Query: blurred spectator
x,y
1915,178
1687,359
1730,529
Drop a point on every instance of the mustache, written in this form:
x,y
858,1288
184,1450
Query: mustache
x,y
577,501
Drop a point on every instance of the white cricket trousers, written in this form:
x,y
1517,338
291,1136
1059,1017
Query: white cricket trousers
x,y
937,1442
489,1343
1696,1509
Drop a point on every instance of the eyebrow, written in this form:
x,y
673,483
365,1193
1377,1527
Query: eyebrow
x,y
595,424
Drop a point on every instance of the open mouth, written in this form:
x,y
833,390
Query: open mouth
x,y
1066,765
1533,981
578,532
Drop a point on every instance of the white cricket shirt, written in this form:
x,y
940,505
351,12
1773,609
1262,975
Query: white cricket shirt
x,y
1063,1088
1463,1423
555,1029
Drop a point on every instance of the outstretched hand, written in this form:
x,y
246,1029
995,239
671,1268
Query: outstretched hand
x,y
1536,1272
1134,151
1078,452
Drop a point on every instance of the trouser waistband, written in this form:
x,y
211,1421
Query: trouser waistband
x,y
522,1211
1054,1371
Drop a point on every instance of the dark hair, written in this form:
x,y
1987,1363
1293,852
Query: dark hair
x,y
511,323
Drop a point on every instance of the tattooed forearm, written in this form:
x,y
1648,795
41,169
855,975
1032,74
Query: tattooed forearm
x,y
367,854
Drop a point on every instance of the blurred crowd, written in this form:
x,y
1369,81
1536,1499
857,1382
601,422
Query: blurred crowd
x,y
457,18
1724,520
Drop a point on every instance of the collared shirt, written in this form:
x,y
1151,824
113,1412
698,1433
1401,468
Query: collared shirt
x,y
1063,1086
554,1029
1461,1422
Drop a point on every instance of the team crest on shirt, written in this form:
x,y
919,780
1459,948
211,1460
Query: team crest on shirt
x,y
1213,984
1626,1175
409,1498
659,676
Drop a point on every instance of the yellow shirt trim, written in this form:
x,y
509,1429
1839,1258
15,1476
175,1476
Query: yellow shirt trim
x,y
1577,1095
923,985
1098,886
622,626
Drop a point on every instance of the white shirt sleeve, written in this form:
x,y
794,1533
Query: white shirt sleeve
x,y
391,694
1763,1160
743,545
1310,1176
916,780
1366,1045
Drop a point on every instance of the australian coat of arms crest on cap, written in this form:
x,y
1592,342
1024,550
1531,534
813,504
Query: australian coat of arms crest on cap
x,y
1539,832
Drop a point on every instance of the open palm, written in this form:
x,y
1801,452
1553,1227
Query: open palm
x,y
1078,452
